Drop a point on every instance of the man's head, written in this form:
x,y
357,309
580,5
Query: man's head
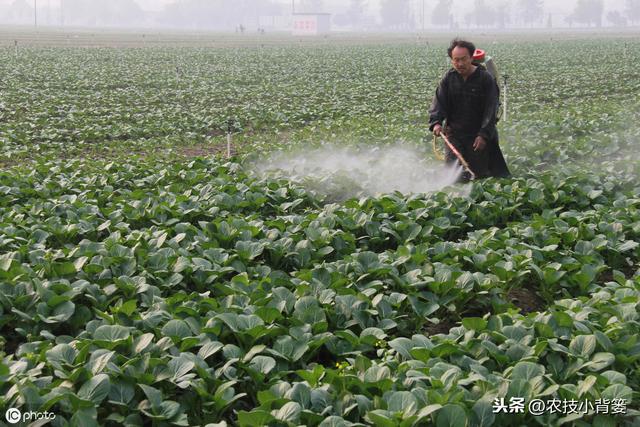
x,y
461,54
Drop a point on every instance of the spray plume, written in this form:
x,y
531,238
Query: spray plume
x,y
342,172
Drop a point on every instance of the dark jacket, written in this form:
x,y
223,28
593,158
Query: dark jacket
x,y
470,108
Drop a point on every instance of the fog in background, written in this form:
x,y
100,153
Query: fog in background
x,y
244,16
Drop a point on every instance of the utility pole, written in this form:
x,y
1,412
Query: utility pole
x,y
35,13
423,16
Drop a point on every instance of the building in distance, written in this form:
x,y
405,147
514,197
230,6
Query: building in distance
x,y
311,24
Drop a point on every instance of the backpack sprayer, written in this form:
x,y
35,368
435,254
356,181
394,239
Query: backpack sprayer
x,y
479,59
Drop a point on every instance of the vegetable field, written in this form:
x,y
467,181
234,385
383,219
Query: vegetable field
x,y
145,279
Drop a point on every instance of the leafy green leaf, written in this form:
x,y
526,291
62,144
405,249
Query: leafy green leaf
x,y
290,412
263,364
96,389
111,333
484,412
176,328
451,415
527,371
255,418
583,345
618,391
474,323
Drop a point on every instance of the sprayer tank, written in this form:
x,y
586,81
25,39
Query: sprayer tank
x,y
490,65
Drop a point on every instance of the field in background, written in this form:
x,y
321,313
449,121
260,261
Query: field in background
x,y
118,38
143,276
71,101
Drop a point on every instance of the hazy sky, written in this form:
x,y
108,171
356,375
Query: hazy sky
x,y
551,5
559,9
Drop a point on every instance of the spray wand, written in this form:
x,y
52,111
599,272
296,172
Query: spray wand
x,y
455,152
505,78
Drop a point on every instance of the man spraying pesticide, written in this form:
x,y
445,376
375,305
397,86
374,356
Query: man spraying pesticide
x,y
464,112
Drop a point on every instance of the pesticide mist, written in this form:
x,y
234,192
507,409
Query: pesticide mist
x,y
343,172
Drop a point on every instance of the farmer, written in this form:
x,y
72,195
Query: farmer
x,y
467,98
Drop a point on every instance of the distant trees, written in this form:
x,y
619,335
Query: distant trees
x,y
482,14
354,16
217,14
194,14
102,13
616,18
502,14
396,14
356,11
485,15
588,12
311,6
632,10
20,12
489,13
441,14
531,11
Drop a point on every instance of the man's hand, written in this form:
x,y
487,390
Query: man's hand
x,y
479,143
437,130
